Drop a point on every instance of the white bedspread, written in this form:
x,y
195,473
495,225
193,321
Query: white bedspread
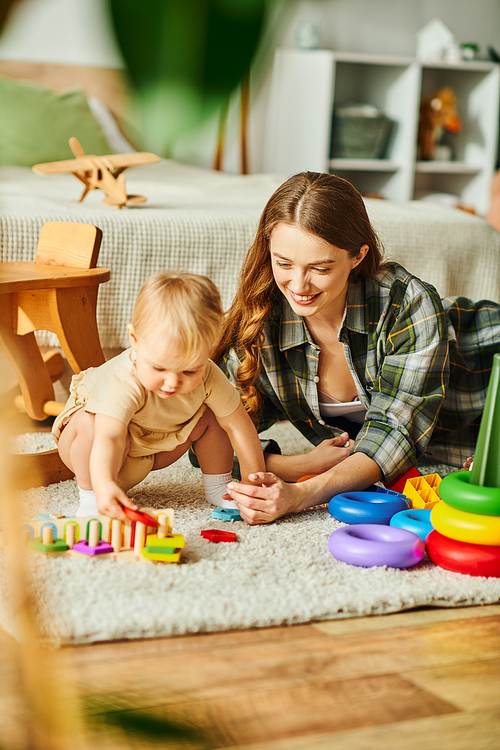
x,y
204,221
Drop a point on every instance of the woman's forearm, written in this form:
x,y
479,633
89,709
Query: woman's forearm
x,y
356,472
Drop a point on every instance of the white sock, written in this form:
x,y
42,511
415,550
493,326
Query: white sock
x,y
88,503
215,486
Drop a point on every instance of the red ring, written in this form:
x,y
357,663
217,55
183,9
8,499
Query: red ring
x,y
462,557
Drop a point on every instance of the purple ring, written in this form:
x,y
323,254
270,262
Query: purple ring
x,y
374,544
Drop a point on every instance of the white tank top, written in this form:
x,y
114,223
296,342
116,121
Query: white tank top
x,y
331,407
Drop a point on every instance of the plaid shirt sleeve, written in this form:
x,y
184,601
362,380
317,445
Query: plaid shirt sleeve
x,y
406,373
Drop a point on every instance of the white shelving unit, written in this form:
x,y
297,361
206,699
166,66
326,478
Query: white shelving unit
x,y
308,85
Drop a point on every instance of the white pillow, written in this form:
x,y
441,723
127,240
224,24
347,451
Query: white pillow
x,y
112,133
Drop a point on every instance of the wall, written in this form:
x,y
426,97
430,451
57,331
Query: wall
x,y
72,32
389,26
78,32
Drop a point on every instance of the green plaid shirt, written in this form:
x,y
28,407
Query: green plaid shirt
x,y
420,365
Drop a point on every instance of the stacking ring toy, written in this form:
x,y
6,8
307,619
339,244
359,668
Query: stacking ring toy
x,y
457,491
366,507
465,527
461,557
417,520
371,544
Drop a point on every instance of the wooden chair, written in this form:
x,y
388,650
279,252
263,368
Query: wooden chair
x,y
58,293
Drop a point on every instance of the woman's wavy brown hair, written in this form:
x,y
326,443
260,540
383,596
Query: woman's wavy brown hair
x,y
324,205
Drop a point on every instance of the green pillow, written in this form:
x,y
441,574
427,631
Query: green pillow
x,y
36,124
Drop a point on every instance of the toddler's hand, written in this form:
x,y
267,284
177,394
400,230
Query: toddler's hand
x,y
111,499
328,453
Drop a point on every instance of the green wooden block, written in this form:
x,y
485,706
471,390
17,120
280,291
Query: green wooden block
x,y
58,545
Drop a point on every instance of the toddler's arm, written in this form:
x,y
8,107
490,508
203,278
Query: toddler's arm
x,y
245,441
106,459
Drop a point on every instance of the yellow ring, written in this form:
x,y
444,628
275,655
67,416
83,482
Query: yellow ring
x,y
465,527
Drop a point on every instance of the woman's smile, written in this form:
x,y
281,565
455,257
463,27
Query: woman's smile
x,y
304,299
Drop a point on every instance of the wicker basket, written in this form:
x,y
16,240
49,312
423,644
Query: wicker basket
x,y
357,136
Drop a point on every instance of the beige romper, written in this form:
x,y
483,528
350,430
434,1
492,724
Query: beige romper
x,y
155,424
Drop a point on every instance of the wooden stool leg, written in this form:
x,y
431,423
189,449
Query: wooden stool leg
x,y
76,327
25,357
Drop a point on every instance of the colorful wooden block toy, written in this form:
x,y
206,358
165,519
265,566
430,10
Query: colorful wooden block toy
x,y
227,514
216,535
103,538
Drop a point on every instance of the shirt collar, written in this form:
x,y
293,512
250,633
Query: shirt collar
x,y
293,331
356,315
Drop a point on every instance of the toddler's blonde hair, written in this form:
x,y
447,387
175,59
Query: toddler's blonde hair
x,y
185,307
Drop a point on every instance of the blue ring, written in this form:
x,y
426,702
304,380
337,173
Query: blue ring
x,y
366,507
417,520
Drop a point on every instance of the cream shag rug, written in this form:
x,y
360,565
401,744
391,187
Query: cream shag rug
x,y
277,574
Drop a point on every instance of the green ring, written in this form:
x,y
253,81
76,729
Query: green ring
x,y
456,490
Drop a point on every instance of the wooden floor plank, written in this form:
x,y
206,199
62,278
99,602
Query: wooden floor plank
x,y
163,647
421,616
470,686
306,709
461,731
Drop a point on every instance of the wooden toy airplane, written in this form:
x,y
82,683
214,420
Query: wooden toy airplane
x,y
100,172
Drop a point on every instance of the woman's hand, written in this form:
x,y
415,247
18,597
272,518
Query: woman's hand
x,y
266,499
111,499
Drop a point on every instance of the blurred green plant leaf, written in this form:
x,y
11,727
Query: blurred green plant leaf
x,y
141,724
5,7
184,58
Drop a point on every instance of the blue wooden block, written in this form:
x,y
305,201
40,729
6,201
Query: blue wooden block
x,y
227,514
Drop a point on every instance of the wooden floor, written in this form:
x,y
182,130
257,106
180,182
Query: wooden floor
x,y
428,680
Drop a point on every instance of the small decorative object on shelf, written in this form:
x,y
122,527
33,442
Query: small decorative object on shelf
x,y
438,113
469,50
435,42
308,35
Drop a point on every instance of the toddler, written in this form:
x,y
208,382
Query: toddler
x,y
142,410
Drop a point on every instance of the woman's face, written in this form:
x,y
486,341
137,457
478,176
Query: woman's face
x,y
312,274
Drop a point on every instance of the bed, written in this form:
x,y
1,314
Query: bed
x,y
203,221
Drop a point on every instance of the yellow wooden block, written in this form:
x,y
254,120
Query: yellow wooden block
x,y
423,491
154,544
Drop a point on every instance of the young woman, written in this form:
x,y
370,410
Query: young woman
x,y
326,335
